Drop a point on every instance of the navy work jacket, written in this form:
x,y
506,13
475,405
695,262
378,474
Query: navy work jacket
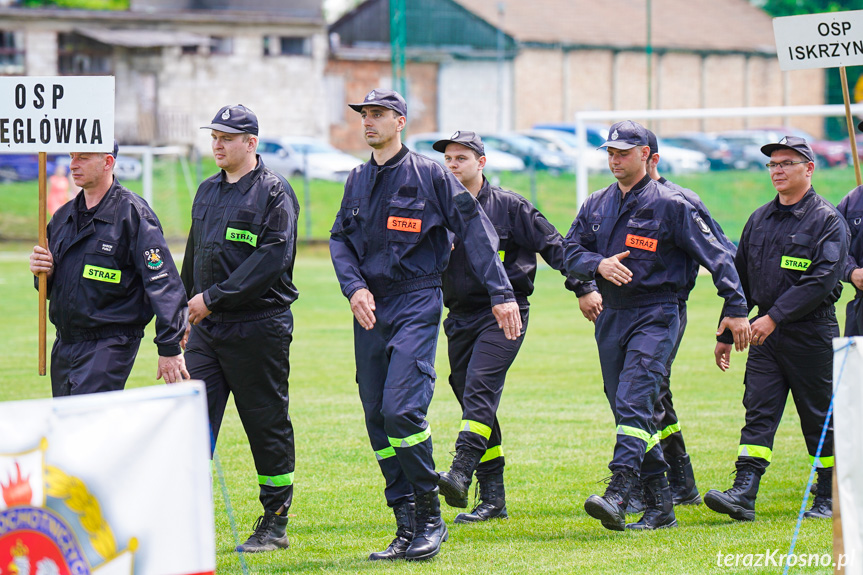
x,y
522,232
851,208
112,276
791,261
392,232
664,234
241,248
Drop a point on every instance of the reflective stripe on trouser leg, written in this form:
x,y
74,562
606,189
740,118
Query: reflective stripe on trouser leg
x,y
821,462
414,322
796,358
251,360
757,451
634,346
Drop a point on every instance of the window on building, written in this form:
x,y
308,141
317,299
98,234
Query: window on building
x,y
82,56
11,52
287,46
190,50
221,45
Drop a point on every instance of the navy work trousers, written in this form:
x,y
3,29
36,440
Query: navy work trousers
x,y
797,357
396,376
479,357
664,415
92,366
251,360
634,347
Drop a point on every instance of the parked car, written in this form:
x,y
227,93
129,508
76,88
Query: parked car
x,y
497,161
291,156
596,134
721,154
675,160
567,143
750,141
125,168
530,152
22,167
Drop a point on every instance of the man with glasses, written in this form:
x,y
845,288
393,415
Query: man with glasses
x,y
790,260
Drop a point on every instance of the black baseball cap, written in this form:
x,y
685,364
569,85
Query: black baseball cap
x,y
236,119
651,141
625,135
386,98
799,145
468,139
860,126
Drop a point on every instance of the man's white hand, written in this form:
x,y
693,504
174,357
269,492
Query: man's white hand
x,y
590,305
172,368
363,306
508,318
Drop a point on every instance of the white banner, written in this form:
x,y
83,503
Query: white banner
x,y
56,114
847,407
111,483
826,40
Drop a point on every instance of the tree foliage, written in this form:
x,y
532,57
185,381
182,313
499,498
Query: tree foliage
x,y
78,4
778,8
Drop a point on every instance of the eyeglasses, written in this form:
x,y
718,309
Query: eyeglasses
x,y
784,165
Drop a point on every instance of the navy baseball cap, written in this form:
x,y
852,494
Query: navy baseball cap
x,y
235,119
651,141
386,98
626,135
467,139
799,145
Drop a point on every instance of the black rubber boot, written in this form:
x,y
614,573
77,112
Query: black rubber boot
x,y
492,501
269,534
681,479
611,507
405,525
739,501
430,529
822,507
659,510
636,499
454,485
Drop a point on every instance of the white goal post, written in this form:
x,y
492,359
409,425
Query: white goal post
x,y
583,118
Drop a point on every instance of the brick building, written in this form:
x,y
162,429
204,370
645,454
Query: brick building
x,y
176,62
543,60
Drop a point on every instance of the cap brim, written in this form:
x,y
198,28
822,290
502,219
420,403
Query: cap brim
x,y
618,145
359,107
223,128
768,150
440,145
860,126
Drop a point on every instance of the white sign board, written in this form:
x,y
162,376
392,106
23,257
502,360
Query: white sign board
x,y
113,483
56,114
848,405
827,40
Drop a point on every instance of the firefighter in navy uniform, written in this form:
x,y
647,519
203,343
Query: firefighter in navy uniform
x,y
109,271
681,477
791,259
390,244
479,353
238,274
658,234
851,208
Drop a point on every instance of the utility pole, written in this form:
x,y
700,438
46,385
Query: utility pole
x,y
398,39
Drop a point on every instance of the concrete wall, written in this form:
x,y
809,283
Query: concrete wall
x,y
551,85
474,95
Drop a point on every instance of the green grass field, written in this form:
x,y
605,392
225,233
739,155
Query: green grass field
x,y
558,436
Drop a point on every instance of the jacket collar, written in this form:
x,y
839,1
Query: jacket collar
x,y
106,211
245,183
392,161
800,208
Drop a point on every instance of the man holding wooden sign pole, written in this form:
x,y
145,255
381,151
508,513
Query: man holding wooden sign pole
x,y
109,270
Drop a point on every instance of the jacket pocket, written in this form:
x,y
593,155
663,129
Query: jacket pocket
x,y
642,238
405,219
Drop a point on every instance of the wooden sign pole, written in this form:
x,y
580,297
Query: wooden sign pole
x,y
851,132
43,242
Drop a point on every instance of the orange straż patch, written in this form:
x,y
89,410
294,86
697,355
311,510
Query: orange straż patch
x,y
641,243
404,224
